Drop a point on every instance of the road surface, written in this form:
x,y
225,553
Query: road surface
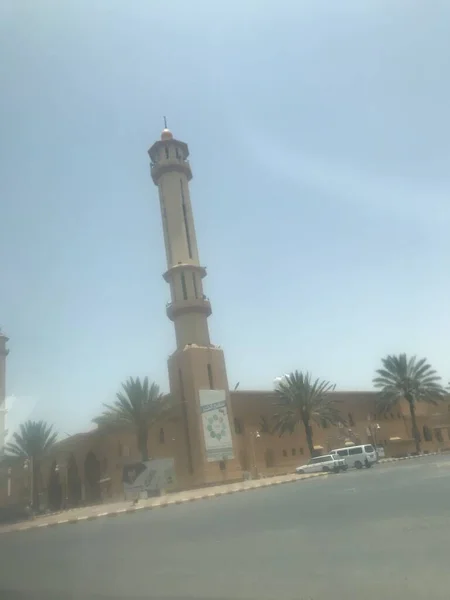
x,y
372,534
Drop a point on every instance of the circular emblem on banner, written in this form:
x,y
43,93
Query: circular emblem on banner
x,y
216,427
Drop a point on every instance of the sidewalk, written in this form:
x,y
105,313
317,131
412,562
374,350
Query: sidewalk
x,y
388,460
90,513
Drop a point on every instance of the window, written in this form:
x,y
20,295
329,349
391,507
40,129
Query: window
x,y
166,149
237,427
210,377
186,226
369,448
269,457
355,450
194,281
293,451
183,285
161,436
165,226
177,153
300,451
351,422
438,434
284,452
427,435
342,452
320,459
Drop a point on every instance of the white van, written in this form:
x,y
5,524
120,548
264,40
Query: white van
x,y
357,456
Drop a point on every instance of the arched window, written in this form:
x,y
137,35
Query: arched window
x,y
427,435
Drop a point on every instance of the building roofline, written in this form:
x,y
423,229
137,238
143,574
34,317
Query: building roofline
x,y
349,392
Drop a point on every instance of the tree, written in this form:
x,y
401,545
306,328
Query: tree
x,y
138,405
33,442
304,401
409,379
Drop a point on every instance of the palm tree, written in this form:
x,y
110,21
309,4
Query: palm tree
x,y
33,442
305,401
138,405
410,379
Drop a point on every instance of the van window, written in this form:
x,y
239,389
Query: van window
x,y
355,450
369,448
342,452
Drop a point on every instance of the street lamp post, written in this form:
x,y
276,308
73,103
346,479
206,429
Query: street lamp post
x,y
373,429
257,435
28,465
9,481
62,469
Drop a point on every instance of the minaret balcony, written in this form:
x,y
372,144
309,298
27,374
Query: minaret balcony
x,y
169,166
181,307
180,267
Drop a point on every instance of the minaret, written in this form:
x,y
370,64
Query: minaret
x,y
3,354
197,372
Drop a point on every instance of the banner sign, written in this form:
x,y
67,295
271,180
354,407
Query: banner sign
x,y
151,476
216,425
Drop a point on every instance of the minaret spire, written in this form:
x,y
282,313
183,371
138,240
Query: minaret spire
x,y
189,308
197,371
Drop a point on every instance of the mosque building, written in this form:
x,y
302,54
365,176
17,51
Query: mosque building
x,y
214,434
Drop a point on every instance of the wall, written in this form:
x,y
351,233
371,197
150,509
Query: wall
x,y
257,452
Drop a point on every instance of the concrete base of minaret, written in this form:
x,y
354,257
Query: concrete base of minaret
x,y
192,370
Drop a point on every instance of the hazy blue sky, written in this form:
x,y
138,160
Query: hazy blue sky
x,y
320,144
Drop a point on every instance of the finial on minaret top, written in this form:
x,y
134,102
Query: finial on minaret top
x,y
166,133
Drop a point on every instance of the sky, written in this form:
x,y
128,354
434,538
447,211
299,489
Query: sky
x,y
319,135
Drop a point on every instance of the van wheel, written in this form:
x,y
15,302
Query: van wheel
x,y
368,464
358,464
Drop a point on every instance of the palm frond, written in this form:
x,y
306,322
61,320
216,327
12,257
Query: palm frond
x,y
33,440
406,378
138,404
303,400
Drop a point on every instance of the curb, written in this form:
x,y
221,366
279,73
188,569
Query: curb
x,y
389,460
165,504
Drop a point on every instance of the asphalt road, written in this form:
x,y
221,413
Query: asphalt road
x,y
372,534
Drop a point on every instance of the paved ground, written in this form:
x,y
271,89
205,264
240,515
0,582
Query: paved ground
x,y
101,511
375,534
